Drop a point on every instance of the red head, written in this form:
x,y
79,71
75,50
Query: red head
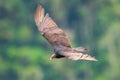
x,y
53,56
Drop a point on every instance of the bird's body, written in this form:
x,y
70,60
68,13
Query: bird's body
x,y
57,38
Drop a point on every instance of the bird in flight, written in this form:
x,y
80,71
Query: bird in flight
x,y
57,38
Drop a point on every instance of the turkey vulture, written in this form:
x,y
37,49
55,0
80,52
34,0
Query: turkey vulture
x,y
57,38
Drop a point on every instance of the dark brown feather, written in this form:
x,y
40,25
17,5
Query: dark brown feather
x,y
51,31
57,38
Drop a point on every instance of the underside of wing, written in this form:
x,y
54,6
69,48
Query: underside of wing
x,y
50,30
39,15
79,56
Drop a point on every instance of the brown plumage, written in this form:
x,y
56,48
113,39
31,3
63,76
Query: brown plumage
x,y
57,38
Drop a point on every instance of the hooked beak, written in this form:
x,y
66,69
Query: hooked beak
x,y
53,56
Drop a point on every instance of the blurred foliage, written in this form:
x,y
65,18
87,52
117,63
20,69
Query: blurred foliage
x,y
94,24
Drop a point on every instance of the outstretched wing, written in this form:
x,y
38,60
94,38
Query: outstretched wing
x,y
49,29
79,56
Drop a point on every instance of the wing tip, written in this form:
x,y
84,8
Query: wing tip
x,y
93,59
39,14
81,56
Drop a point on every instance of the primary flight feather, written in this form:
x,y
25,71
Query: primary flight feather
x,y
57,38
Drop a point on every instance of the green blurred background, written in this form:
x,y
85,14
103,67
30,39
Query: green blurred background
x,y
93,24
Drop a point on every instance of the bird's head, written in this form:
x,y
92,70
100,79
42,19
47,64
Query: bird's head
x,y
52,56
